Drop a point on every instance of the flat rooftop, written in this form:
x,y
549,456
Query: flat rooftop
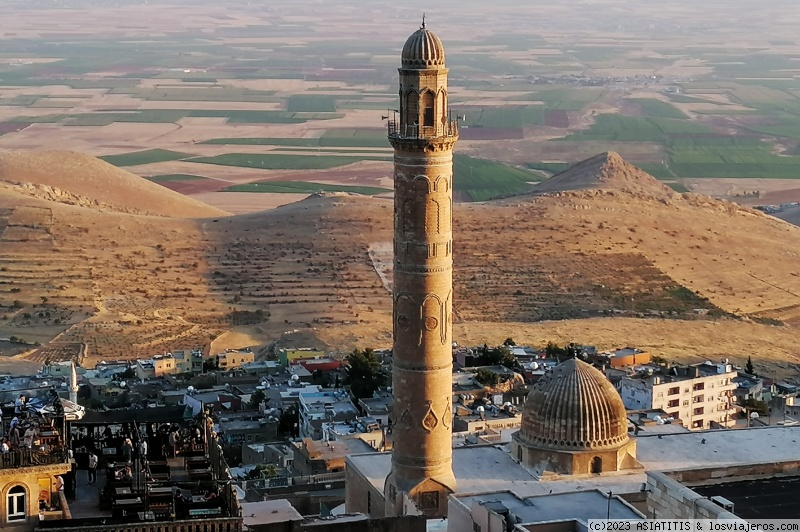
x,y
269,512
773,498
715,448
582,506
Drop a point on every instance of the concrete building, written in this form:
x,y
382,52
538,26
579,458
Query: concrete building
x,y
366,429
315,408
748,387
290,355
378,408
700,395
317,457
502,510
234,359
626,356
423,139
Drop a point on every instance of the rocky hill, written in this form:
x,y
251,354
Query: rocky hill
x,y
78,179
606,246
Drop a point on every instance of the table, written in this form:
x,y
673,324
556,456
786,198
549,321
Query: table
x,y
122,491
161,491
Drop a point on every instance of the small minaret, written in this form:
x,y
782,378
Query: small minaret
x,y
422,413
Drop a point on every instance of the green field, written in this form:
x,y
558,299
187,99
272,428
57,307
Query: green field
x,y
503,117
311,103
143,157
175,177
332,138
658,109
565,99
283,162
303,187
481,179
638,129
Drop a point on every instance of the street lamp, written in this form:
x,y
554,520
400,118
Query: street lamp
x,y
608,508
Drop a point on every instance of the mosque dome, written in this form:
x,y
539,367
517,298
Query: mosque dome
x,y
574,408
423,49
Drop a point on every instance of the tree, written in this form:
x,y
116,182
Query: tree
x,y
748,368
257,398
509,342
363,373
210,364
262,471
289,418
553,350
487,377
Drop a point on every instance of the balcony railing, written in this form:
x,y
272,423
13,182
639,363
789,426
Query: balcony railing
x,y
415,131
28,458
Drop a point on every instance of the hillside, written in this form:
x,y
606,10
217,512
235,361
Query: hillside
x,y
707,275
79,179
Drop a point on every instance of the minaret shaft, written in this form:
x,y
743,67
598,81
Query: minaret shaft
x,y
423,141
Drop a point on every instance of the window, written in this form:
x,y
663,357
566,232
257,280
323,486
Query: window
x,y
699,386
686,402
660,394
674,391
697,424
675,415
697,399
429,500
16,504
698,411
673,403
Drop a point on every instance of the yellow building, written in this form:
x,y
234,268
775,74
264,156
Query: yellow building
x,y
28,481
291,355
234,359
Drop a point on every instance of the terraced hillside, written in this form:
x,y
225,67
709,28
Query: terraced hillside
x,y
603,241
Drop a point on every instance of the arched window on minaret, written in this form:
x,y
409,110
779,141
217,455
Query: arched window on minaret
x,y
412,108
428,108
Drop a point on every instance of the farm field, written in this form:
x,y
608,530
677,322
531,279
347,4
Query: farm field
x,y
306,86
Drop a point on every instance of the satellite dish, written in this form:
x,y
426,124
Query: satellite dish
x,y
190,390
754,415
45,383
123,384
480,409
295,378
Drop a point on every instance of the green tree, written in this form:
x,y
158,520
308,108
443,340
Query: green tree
x,y
486,377
748,368
509,342
262,471
210,364
257,398
496,356
289,418
553,350
363,373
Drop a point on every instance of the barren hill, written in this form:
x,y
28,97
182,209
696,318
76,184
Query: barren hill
x,y
649,267
606,170
79,179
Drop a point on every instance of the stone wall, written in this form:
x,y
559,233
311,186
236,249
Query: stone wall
x,y
668,499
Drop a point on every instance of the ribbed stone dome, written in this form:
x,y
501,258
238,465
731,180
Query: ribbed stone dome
x,y
574,408
423,50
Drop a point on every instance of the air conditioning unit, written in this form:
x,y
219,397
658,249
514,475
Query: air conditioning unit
x,y
723,502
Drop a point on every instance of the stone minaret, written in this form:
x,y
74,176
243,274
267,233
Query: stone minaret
x,y
423,140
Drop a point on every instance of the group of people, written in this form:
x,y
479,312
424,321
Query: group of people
x,y
21,435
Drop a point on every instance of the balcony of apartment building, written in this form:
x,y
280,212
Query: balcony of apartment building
x,y
181,483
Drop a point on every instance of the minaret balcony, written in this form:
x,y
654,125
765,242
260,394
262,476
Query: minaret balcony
x,y
398,130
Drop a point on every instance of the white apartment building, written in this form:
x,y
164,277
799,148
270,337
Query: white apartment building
x,y
700,396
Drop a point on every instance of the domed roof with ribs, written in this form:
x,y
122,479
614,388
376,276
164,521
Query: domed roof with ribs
x,y
423,49
574,408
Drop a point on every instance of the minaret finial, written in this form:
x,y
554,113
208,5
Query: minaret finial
x,y
423,21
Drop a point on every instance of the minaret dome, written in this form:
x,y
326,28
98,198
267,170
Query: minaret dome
x,y
423,49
